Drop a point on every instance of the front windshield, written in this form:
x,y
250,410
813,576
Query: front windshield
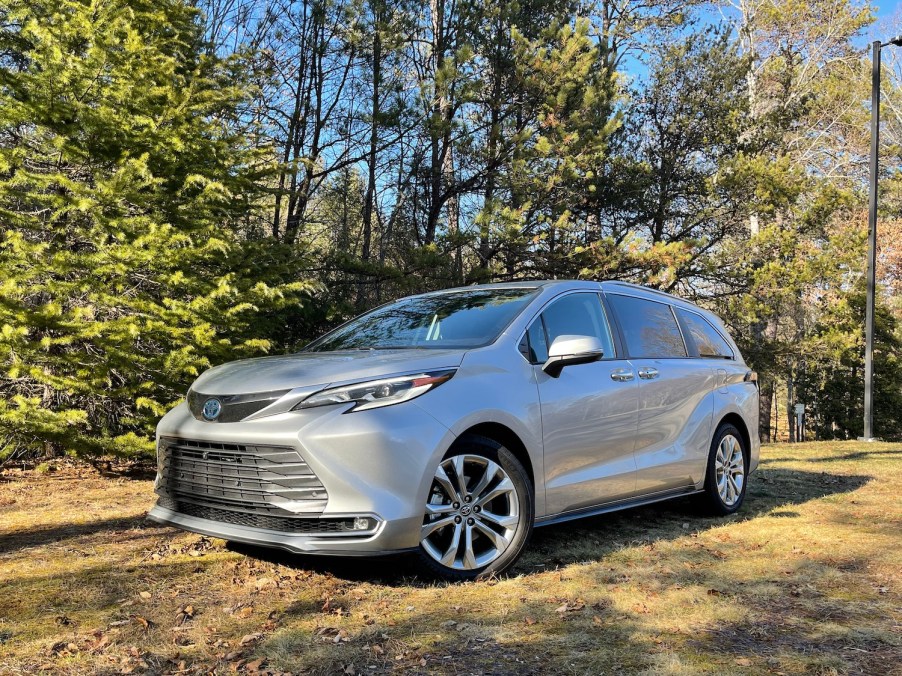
x,y
458,319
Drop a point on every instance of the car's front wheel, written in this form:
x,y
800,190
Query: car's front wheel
x,y
479,511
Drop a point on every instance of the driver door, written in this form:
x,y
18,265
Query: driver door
x,y
589,412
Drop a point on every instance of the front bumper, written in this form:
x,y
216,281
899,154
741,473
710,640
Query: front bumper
x,y
389,538
376,464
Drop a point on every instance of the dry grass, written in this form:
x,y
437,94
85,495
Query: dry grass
x,y
805,580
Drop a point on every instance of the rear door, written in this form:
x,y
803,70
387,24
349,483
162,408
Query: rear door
x,y
589,412
675,402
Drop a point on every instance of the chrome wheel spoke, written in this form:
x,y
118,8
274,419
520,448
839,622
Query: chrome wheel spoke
x,y
499,540
491,471
722,486
504,486
450,555
721,456
438,510
459,476
469,560
441,476
429,528
507,522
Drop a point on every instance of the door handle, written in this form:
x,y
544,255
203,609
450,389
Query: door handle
x,y
622,375
648,373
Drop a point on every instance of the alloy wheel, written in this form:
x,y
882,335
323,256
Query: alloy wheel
x,y
729,466
472,513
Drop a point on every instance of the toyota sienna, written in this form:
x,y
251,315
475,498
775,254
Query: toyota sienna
x,y
451,423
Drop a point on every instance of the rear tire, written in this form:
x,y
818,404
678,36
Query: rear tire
x,y
479,512
726,478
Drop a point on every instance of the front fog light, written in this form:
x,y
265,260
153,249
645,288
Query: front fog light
x,y
361,523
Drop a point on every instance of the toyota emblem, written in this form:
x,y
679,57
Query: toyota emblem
x,y
212,409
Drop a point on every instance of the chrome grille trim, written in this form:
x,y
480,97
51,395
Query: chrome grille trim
x,y
265,480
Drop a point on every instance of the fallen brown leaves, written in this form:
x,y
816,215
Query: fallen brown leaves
x,y
570,607
183,614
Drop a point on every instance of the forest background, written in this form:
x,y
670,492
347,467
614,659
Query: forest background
x,y
185,183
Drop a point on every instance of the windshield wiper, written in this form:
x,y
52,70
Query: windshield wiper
x,y
380,347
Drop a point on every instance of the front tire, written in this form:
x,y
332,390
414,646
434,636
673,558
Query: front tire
x,y
727,474
479,511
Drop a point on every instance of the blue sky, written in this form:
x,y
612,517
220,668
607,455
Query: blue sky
x,y
888,23
885,9
888,13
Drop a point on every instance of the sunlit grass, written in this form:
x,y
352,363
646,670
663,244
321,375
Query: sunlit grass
x,y
804,580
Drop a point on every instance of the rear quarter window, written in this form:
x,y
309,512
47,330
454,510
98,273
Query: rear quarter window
x,y
649,328
708,341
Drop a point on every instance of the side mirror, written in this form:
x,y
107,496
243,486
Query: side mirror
x,y
570,350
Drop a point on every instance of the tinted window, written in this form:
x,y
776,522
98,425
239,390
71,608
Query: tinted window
x,y
463,319
579,314
649,328
706,338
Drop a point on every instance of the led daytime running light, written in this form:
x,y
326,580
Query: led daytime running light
x,y
378,393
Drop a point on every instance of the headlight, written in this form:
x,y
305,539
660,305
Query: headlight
x,y
376,393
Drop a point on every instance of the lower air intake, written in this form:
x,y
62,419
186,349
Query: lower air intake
x,y
298,525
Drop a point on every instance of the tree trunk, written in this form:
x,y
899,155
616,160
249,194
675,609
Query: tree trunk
x,y
790,414
765,399
488,209
439,129
370,197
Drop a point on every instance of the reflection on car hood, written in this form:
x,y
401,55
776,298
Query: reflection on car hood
x,y
305,369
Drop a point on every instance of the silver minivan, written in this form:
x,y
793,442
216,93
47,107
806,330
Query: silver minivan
x,y
451,423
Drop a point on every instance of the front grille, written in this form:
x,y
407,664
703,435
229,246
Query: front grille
x,y
255,479
235,407
301,525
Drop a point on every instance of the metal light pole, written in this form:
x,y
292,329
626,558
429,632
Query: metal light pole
x,y
876,46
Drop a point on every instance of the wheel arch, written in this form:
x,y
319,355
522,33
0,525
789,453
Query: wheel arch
x,y
505,436
736,420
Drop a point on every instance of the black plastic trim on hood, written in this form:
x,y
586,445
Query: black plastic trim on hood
x,y
235,407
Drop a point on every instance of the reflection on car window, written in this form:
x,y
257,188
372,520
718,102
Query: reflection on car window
x,y
579,314
458,319
708,341
538,348
649,328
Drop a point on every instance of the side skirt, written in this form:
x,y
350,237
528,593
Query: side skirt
x,y
616,506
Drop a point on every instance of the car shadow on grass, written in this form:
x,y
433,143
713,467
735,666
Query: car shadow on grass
x,y
61,532
393,569
878,454
771,492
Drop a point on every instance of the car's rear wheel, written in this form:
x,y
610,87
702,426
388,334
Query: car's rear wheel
x,y
479,511
725,481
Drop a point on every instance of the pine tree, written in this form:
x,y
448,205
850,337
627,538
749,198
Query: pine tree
x,y
121,277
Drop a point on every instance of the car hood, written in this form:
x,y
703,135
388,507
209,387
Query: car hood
x,y
308,369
